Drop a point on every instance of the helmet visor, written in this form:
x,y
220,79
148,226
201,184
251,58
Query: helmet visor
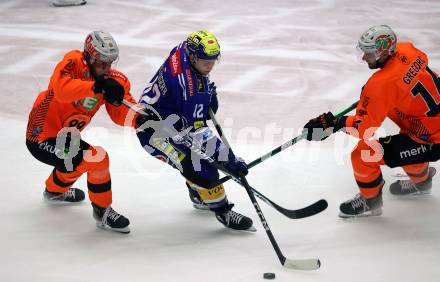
x,y
103,61
366,54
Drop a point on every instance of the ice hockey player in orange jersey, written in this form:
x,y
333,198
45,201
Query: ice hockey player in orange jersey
x,y
81,83
407,91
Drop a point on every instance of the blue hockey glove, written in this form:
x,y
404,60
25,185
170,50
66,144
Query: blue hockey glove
x,y
213,104
237,166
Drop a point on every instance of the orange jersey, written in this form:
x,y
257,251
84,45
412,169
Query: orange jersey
x,y
404,90
70,101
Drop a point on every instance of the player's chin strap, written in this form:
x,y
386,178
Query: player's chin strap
x,y
278,149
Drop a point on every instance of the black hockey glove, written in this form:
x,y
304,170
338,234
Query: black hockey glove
x,y
237,166
213,104
111,89
141,119
146,116
321,127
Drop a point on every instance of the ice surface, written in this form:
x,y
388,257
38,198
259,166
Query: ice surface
x,y
283,62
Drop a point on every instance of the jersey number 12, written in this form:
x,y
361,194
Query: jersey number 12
x,y
198,111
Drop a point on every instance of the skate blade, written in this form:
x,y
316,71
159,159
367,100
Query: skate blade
x,y
60,203
200,207
375,212
421,193
124,230
250,229
415,194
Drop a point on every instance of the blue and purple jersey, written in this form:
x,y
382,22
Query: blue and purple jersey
x,y
177,88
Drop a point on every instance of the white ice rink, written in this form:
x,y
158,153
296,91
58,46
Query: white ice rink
x,y
283,62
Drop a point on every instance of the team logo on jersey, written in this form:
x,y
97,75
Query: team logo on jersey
x,y
404,59
89,103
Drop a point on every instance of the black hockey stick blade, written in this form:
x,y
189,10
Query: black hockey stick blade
x,y
310,210
307,211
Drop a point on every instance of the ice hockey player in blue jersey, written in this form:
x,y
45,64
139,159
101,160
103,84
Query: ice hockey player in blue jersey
x,y
181,88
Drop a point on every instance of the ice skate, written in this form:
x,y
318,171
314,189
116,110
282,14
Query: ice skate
x,y
407,187
361,207
108,218
73,195
234,220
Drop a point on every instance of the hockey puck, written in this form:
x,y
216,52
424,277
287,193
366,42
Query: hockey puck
x,y
269,275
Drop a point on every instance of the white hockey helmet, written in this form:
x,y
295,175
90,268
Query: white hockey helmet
x,y
100,46
377,39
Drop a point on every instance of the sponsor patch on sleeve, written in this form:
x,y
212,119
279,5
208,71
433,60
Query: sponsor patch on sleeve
x,y
175,65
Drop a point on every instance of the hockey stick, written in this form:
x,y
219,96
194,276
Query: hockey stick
x,y
307,211
284,146
300,264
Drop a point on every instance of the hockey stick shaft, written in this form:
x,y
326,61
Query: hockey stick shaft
x,y
310,210
218,128
302,264
285,145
